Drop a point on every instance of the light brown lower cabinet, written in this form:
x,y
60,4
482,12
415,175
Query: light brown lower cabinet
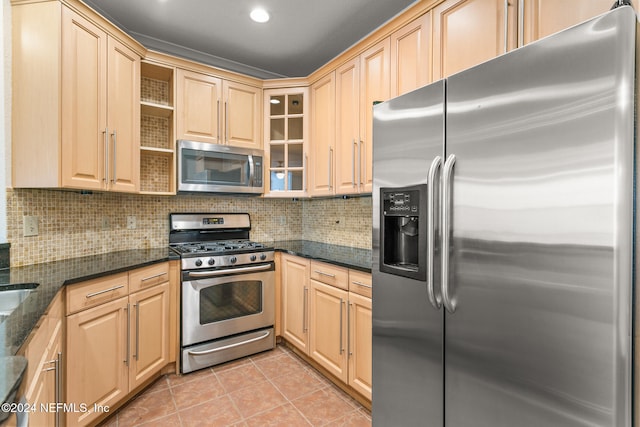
x,y
117,344
328,328
44,354
326,315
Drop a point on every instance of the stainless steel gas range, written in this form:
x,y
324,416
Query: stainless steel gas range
x,y
227,288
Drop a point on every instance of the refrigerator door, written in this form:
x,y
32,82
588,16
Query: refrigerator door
x,y
541,232
407,330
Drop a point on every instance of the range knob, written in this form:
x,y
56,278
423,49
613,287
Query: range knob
x,y
263,257
252,257
211,261
198,262
233,260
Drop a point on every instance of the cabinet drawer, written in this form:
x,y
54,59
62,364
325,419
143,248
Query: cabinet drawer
x,y
360,283
97,291
145,277
330,274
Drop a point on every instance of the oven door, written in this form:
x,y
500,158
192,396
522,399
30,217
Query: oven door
x,y
220,303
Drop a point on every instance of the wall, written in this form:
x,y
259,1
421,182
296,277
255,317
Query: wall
x,y
5,112
73,225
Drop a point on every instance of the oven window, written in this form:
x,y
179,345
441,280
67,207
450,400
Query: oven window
x,y
230,300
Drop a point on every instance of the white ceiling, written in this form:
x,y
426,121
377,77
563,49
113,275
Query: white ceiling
x,y
301,36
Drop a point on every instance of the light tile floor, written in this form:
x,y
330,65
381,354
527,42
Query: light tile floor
x,y
274,388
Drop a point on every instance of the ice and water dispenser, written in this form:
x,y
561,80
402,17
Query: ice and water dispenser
x,y
403,231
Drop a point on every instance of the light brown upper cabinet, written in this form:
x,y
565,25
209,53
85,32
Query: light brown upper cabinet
x,y
468,32
210,109
348,154
323,119
374,88
541,18
411,56
76,111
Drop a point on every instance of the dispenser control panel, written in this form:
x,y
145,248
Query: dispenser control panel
x,y
401,203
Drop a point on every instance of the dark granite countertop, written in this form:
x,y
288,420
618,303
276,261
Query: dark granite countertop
x,y
16,325
344,256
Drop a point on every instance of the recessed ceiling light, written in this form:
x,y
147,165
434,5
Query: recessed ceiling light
x,y
259,15
275,101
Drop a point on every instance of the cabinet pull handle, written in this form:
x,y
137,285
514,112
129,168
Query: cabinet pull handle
x,y
520,23
304,309
349,353
322,273
154,276
219,124
226,121
126,360
360,162
105,137
115,158
506,25
341,346
355,282
304,172
353,163
329,162
137,306
104,291
57,362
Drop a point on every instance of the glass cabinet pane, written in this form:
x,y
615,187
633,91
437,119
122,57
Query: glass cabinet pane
x,y
277,105
277,156
277,180
295,180
295,104
295,128
277,129
295,156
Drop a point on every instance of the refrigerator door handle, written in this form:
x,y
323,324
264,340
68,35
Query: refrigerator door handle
x,y
446,226
431,230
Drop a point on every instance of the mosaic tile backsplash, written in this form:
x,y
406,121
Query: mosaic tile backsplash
x,y
73,225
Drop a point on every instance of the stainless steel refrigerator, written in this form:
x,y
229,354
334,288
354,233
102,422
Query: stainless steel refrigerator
x,y
503,238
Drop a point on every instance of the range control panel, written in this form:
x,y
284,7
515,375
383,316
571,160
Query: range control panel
x,y
401,203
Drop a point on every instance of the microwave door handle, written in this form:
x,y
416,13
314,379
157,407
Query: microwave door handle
x,y
252,170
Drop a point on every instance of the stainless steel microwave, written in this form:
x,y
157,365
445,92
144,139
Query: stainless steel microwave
x,y
213,168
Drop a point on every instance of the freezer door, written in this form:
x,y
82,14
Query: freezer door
x,y
407,329
541,232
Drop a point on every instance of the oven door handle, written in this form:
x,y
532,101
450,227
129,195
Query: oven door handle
x,y
226,347
205,274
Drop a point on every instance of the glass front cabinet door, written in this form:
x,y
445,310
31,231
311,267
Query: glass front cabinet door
x,y
286,139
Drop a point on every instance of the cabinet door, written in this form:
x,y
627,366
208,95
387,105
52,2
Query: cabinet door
x,y
198,98
123,118
468,32
545,17
295,282
360,344
97,358
150,333
84,92
374,87
243,106
411,56
323,118
348,127
328,328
